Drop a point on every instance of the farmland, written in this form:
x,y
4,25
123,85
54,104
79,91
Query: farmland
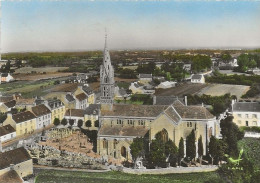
x,y
222,89
118,177
40,69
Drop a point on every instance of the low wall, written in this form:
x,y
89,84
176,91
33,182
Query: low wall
x,y
204,168
252,134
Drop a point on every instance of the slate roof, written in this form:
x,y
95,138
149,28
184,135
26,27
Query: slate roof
x,y
6,130
4,74
10,104
192,112
75,112
196,76
81,96
25,101
40,110
23,116
11,177
134,110
69,97
247,106
165,100
55,103
92,109
14,156
122,92
171,113
145,76
67,87
118,130
6,98
87,89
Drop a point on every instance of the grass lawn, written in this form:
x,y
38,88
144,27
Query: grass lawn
x,y
55,176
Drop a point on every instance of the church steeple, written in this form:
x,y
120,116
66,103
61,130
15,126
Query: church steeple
x,y
107,83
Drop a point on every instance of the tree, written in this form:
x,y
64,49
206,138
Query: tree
x,y
137,148
88,123
80,123
200,148
56,121
226,57
213,147
230,135
156,155
71,122
171,151
190,146
181,150
64,122
96,123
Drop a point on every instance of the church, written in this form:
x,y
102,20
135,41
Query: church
x,y
121,123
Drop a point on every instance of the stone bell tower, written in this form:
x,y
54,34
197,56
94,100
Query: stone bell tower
x,y
107,83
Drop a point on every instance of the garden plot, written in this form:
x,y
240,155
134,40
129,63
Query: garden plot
x,y
222,89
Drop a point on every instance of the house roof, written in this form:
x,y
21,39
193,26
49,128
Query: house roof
x,y
134,110
10,104
75,112
23,116
54,103
171,113
145,76
6,98
6,130
87,89
92,109
25,101
67,87
196,76
11,177
40,110
14,156
69,97
4,74
165,100
118,130
81,96
246,106
192,112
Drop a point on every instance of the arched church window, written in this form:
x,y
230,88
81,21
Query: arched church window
x,y
164,135
210,132
105,143
115,142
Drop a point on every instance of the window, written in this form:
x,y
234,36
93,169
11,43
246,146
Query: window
x,y
239,121
189,124
254,116
246,123
247,116
254,123
239,115
104,143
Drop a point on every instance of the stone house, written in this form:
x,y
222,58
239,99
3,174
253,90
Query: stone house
x,y
7,132
43,116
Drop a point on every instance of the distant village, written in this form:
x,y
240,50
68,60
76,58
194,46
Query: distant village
x,y
93,119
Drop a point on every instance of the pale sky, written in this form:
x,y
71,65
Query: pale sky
x,y
80,25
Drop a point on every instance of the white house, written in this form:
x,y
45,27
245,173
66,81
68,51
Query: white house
x,y
145,78
197,78
6,77
7,132
246,113
166,84
43,116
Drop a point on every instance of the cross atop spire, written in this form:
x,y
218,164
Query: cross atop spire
x,y
105,38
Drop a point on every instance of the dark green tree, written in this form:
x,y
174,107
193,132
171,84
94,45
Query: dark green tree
x,y
137,148
96,123
200,148
88,123
156,155
64,122
213,148
181,150
191,146
171,151
71,122
80,123
56,121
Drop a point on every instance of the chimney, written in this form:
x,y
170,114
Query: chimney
x,y
11,166
186,101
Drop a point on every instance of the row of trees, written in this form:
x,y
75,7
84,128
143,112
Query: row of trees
x,y
162,149
64,122
247,61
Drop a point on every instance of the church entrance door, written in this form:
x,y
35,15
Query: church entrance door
x,y
123,151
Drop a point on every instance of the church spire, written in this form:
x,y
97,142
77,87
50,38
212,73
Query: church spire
x,y
107,83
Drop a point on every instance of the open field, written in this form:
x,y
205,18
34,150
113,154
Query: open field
x,y
181,90
25,70
51,176
39,76
222,89
132,67
28,89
